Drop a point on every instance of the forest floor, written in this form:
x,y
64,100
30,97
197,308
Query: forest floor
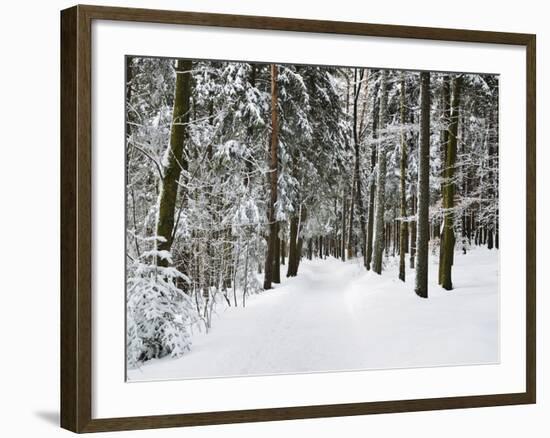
x,y
336,316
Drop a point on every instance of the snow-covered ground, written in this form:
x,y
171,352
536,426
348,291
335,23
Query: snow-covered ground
x,y
335,316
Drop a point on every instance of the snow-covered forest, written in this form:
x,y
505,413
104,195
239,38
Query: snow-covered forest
x,y
291,218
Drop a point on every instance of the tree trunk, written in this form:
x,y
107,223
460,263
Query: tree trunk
x,y
357,177
296,242
423,221
444,138
273,176
174,159
412,245
380,181
350,227
277,256
292,268
372,194
343,242
448,236
403,168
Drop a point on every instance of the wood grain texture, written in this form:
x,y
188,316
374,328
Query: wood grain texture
x,y
531,220
69,328
76,219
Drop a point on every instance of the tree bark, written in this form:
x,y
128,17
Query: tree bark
x,y
403,168
372,194
273,177
295,243
277,256
350,227
175,158
448,236
380,181
343,242
444,138
292,268
357,177
423,221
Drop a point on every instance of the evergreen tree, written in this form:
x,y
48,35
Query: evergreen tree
x,y
423,220
381,179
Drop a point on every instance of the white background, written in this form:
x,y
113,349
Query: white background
x,y
29,182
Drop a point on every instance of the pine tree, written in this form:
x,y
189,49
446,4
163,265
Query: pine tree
x,y
273,178
448,236
372,188
403,232
444,139
174,159
381,179
423,221
358,79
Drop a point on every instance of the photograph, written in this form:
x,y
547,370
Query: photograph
x,y
294,218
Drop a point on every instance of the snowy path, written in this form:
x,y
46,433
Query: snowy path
x,y
336,316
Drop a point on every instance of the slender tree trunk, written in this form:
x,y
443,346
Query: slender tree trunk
x,y
423,221
448,236
357,177
380,181
343,242
273,177
277,256
403,170
350,227
292,268
174,159
296,242
444,138
372,195
413,233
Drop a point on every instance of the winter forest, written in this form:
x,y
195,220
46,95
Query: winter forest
x,y
297,218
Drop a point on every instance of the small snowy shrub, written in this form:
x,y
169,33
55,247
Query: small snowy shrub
x,y
159,314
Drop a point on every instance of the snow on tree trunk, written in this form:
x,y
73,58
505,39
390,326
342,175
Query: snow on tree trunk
x,y
174,160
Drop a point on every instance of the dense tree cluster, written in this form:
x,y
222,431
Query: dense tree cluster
x,y
235,172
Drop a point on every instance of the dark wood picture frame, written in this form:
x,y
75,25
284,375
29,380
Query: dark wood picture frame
x,y
76,218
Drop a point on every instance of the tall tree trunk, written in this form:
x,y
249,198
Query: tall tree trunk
x,y
277,256
343,242
380,181
444,138
273,177
350,227
295,242
448,236
292,268
357,177
174,159
372,187
372,194
423,221
412,245
403,168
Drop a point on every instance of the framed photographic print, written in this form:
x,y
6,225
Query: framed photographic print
x,y
270,218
